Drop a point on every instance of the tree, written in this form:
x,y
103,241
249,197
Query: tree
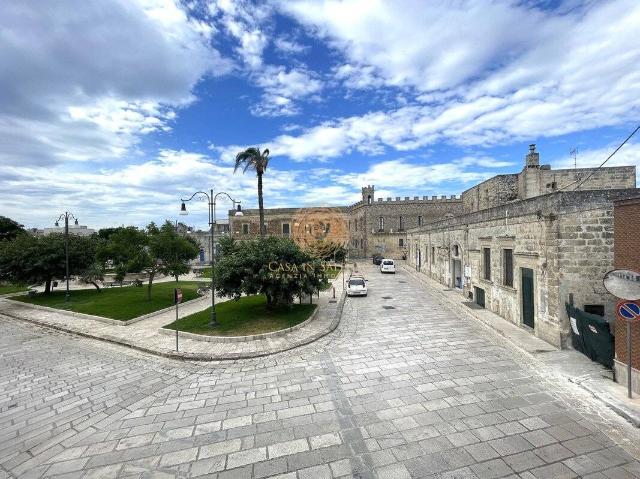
x,y
92,274
37,259
9,228
253,159
275,267
126,250
172,250
152,250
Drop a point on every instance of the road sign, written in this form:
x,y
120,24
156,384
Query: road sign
x,y
629,310
177,296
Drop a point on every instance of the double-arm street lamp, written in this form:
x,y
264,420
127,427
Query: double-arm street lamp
x,y
66,215
211,199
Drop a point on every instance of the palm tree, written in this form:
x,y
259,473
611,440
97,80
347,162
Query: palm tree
x,y
253,159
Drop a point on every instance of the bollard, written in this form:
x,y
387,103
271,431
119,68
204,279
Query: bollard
x,y
176,327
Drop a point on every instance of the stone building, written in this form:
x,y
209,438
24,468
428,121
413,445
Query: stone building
x,y
522,249
370,226
203,237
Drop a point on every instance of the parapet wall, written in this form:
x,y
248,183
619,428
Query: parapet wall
x,y
412,200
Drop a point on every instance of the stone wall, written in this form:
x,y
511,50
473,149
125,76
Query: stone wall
x,y
496,191
541,181
398,215
566,238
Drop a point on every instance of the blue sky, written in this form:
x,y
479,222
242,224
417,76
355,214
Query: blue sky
x,y
113,109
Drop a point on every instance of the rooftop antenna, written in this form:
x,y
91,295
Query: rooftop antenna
x,y
574,152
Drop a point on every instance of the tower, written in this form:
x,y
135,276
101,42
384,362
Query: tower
x,y
533,157
368,194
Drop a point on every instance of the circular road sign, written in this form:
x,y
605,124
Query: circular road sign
x,y
629,310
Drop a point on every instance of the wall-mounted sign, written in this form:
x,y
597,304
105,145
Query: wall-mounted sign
x,y
623,283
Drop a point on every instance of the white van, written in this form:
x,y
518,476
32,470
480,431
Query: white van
x,y
387,266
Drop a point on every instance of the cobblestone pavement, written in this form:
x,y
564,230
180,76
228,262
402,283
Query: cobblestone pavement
x,y
403,388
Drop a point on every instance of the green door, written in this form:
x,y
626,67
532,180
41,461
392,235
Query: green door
x,y
528,312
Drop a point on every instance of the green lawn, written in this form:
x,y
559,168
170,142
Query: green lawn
x,y
6,288
248,315
121,303
333,271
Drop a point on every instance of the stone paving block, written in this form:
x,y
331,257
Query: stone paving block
x,y
553,471
510,445
179,457
219,448
325,440
249,456
395,471
315,472
491,469
553,453
287,448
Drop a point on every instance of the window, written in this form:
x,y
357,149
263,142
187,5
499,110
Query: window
x,y
507,265
433,254
381,223
286,229
419,220
400,242
401,223
456,250
594,309
245,228
487,263
369,199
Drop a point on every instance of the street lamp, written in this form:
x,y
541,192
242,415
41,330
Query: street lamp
x,y
66,215
211,199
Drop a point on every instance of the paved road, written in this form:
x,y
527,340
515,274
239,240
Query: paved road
x,y
402,389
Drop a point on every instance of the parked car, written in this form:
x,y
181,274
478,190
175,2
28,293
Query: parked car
x,y
356,286
377,259
388,266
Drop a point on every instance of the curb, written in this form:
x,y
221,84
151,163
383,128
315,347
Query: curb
x,y
238,339
115,322
170,354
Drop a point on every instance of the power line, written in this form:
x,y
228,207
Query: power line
x,y
609,157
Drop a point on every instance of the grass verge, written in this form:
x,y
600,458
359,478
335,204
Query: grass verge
x,y
7,288
120,303
246,316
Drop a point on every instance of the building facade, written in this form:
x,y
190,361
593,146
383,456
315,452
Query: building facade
x,y
522,251
370,226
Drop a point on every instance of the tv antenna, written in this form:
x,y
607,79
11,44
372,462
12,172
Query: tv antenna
x,y
574,153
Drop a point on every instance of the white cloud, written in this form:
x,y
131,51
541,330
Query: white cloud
x,y
135,194
289,46
81,81
404,176
506,72
281,88
628,155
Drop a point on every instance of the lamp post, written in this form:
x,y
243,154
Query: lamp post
x,y
66,215
212,200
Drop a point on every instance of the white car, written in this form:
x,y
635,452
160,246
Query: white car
x,y
356,286
387,266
